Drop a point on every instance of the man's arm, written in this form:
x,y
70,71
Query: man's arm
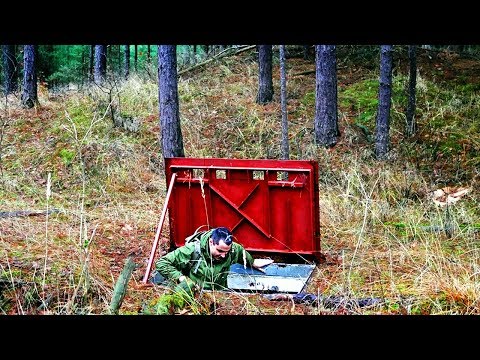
x,y
246,259
172,264
241,256
260,263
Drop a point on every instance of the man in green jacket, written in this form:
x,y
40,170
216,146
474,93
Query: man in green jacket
x,y
205,263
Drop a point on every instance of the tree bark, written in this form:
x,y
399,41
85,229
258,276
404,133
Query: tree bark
x,y
171,132
265,83
283,96
411,122
326,114
382,128
91,67
307,55
135,60
10,67
100,63
127,61
29,94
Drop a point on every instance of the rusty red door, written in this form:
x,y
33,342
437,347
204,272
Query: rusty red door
x,y
269,205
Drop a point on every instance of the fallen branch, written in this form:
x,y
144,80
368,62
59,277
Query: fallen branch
x,y
448,228
304,73
307,72
4,283
19,213
216,57
327,301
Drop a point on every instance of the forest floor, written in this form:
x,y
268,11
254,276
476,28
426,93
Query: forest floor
x,y
108,185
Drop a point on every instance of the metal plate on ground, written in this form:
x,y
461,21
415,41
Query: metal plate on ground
x,y
278,278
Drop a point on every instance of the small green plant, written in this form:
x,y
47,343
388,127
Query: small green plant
x,y
67,156
309,99
392,307
166,304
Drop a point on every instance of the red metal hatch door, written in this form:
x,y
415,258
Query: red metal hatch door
x,y
269,205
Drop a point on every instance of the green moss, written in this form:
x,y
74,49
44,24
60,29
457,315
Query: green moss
x,y
362,98
467,88
308,99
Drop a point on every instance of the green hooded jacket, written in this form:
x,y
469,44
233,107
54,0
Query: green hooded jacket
x,y
208,273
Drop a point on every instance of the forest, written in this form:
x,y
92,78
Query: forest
x,y
84,130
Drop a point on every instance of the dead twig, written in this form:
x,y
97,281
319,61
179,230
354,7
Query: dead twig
x,y
216,57
20,213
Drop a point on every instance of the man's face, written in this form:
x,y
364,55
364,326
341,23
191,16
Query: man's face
x,y
220,250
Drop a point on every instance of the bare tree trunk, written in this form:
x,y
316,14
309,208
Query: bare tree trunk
x,y
10,69
171,132
84,65
307,55
283,96
92,56
127,61
135,61
265,83
100,63
382,128
326,114
411,122
119,62
29,94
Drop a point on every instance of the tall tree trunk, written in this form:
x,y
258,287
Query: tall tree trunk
x,y
10,69
92,56
100,63
265,83
283,97
382,128
119,61
326,114
148,53
135,61
411,122
29,94
306,52
171,132
127,61
84,70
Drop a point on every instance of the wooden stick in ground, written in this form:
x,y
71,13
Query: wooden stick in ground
x,y
159,229
121,286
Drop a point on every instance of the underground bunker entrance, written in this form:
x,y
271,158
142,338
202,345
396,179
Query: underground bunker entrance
x,y
271,207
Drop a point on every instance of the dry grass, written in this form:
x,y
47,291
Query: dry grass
x,y
379,228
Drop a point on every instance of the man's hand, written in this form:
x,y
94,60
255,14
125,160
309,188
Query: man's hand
x,y
260,263
186,286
